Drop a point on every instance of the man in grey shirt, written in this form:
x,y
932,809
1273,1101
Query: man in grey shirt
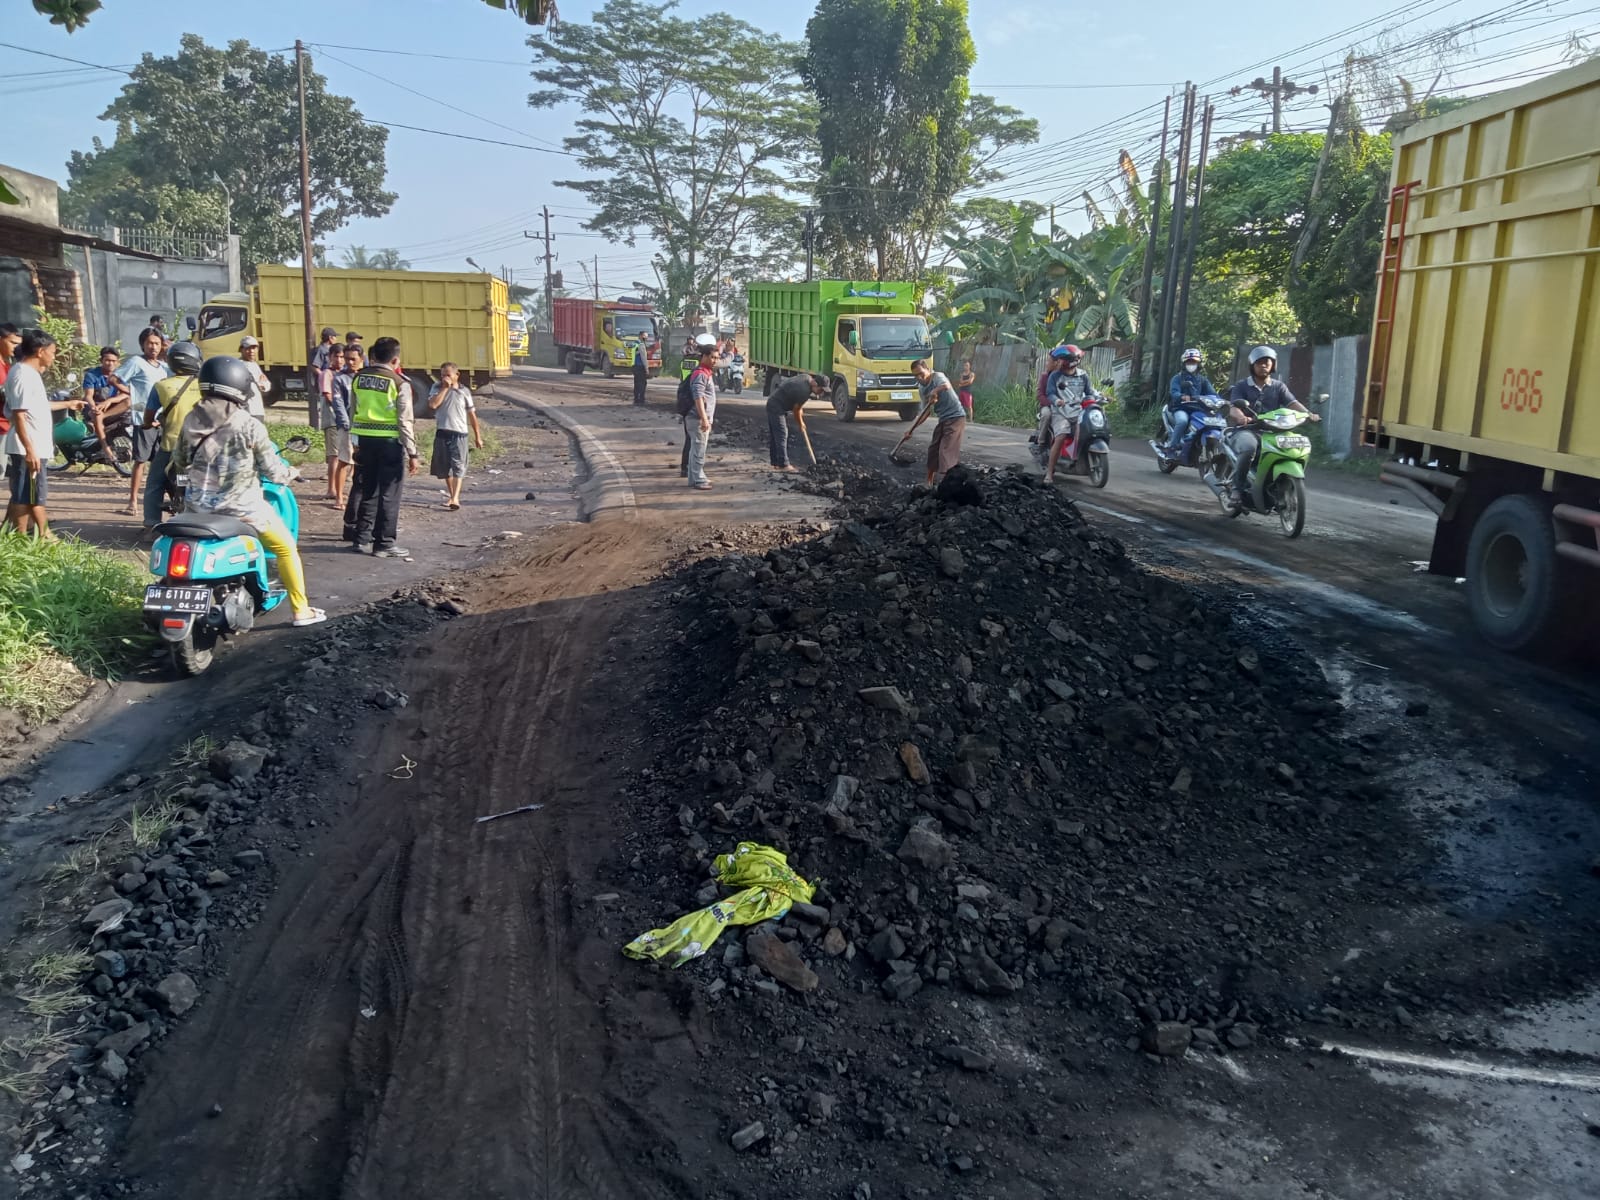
x,y
940,399
454,416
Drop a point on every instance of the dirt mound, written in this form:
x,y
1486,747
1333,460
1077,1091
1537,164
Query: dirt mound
x,y
1012,759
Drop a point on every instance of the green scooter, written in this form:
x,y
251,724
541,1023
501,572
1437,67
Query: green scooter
x,y
1277,481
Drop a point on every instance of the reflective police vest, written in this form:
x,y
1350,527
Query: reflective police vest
x,y
376,391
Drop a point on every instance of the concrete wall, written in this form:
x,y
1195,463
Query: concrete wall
x,y
39,197
127,290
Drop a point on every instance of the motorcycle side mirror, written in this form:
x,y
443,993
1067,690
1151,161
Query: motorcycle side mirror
x,y
298,444
1108,383
190,324
72,377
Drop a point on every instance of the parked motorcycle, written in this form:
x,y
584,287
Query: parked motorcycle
x,y
1199,443
1093,434
1276,483
77,443
216,577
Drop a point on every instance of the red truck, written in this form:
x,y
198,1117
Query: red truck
x,y
601,334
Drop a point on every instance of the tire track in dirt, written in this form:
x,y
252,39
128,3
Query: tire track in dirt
x,y
412,1020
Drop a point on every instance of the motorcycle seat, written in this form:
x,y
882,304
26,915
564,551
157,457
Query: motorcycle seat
x,y
204,525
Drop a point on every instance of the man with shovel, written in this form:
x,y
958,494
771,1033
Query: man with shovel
x,y
790,396
940,399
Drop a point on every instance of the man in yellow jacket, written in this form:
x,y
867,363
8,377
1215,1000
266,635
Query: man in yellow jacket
x,y
386,451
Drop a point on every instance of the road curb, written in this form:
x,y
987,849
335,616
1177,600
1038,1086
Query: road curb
x,y
608,488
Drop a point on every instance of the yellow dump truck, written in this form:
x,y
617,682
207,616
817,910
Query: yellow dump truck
x,y
1484,380
438,316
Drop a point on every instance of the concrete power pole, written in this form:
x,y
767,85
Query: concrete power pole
x,y
307,278
1194,221
549,290
1277,91
1156,188
1180,195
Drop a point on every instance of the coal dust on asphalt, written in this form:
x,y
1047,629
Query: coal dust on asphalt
x,y
1128,881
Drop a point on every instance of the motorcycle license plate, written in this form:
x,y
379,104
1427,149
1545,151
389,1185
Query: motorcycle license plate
x,y
160,598
900,395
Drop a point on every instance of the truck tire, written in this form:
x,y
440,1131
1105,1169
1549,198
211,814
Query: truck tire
x,y
561,356
907,412
844,402
1515,579
574,363
768,382
606,369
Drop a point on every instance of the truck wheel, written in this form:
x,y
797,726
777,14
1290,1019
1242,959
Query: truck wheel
x,y
561,357
574,364
907,412
768,382
844,402
606,369
1514,576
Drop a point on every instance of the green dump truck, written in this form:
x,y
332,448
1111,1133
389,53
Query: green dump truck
x,y
861,336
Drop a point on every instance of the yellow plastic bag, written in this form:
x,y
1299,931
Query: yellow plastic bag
x,y
770,888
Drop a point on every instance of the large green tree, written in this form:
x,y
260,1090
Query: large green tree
x,y
691,132
1258,202
890,78
223,123
74,14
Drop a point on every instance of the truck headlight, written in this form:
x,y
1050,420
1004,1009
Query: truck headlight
x,y
866,379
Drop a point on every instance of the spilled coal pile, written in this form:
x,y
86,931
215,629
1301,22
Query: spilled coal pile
x,y
1012,759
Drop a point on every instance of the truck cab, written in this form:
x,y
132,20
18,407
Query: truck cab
x,y
223,320
517,328
618,330
872,360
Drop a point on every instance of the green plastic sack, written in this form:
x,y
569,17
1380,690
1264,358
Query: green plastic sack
x,y
770,888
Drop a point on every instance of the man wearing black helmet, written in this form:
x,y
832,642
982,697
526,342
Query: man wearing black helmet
x,y
226,452
170,402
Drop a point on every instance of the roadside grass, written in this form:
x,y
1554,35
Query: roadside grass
x,y
83,859
196,752
1014,405
72,613
147,825
57,967
55,1004
1360,463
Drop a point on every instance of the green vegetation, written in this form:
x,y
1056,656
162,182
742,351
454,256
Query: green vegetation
x,y
54,968
284,429
72,612
1016,405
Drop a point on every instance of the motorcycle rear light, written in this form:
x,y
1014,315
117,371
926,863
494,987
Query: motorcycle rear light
x,y
182,558
171,623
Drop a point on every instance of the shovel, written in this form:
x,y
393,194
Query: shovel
x,y
809,450
895,455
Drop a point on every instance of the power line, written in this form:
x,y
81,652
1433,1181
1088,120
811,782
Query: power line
x,y
498,62
467,137
64,58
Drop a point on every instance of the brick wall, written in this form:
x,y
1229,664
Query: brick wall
x,y
60,293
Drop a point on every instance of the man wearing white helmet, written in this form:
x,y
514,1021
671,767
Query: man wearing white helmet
x,y
1252,396
1187,386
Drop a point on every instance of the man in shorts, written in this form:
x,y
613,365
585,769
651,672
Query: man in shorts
x,y
939,398
105,396
141,374
30,443
336,435
329,421
454,416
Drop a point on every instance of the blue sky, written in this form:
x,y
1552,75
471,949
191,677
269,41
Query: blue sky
x,y
461,198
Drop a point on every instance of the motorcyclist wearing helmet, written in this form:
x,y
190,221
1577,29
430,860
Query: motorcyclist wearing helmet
x,y
1187,386
170,402
1054,361
227,453
1252,396
1069,386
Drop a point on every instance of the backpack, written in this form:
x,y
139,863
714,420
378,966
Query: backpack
x,y
686,395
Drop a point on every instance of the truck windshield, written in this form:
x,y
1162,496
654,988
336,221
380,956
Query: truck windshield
x,y
217,321
636,325
895,337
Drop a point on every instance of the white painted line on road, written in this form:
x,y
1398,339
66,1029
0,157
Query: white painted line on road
x,y
1588,1081
1111,512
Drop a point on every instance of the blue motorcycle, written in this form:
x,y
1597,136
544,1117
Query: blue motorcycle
x,y
216,576
1203,436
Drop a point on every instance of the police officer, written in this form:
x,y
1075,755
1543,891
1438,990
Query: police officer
x,y
386,451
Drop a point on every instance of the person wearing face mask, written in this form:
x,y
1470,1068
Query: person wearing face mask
x,y
1187,386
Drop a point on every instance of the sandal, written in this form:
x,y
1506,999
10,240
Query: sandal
x,y
124,512
312,616
452,506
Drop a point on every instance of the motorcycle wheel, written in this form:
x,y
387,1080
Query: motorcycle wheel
x,y
194,654
1166,465
1289,494
1099,469
122,454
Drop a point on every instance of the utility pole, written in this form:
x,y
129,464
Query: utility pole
x,y
549,290
597,277
810,241
1277,91
1150,245
307,279
1180,193
1194,220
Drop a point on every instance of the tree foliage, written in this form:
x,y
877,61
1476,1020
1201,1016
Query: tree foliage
x,y
1257,202
691,131
215,128
359,258
72,15
890,79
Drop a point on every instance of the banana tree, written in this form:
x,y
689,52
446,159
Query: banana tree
x,y
1007,286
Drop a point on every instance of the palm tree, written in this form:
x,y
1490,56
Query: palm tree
x,y
359,258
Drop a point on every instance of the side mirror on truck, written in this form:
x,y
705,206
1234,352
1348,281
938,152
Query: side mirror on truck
x,y
191,324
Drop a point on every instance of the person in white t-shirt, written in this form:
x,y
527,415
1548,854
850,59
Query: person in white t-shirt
x,y
30,444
